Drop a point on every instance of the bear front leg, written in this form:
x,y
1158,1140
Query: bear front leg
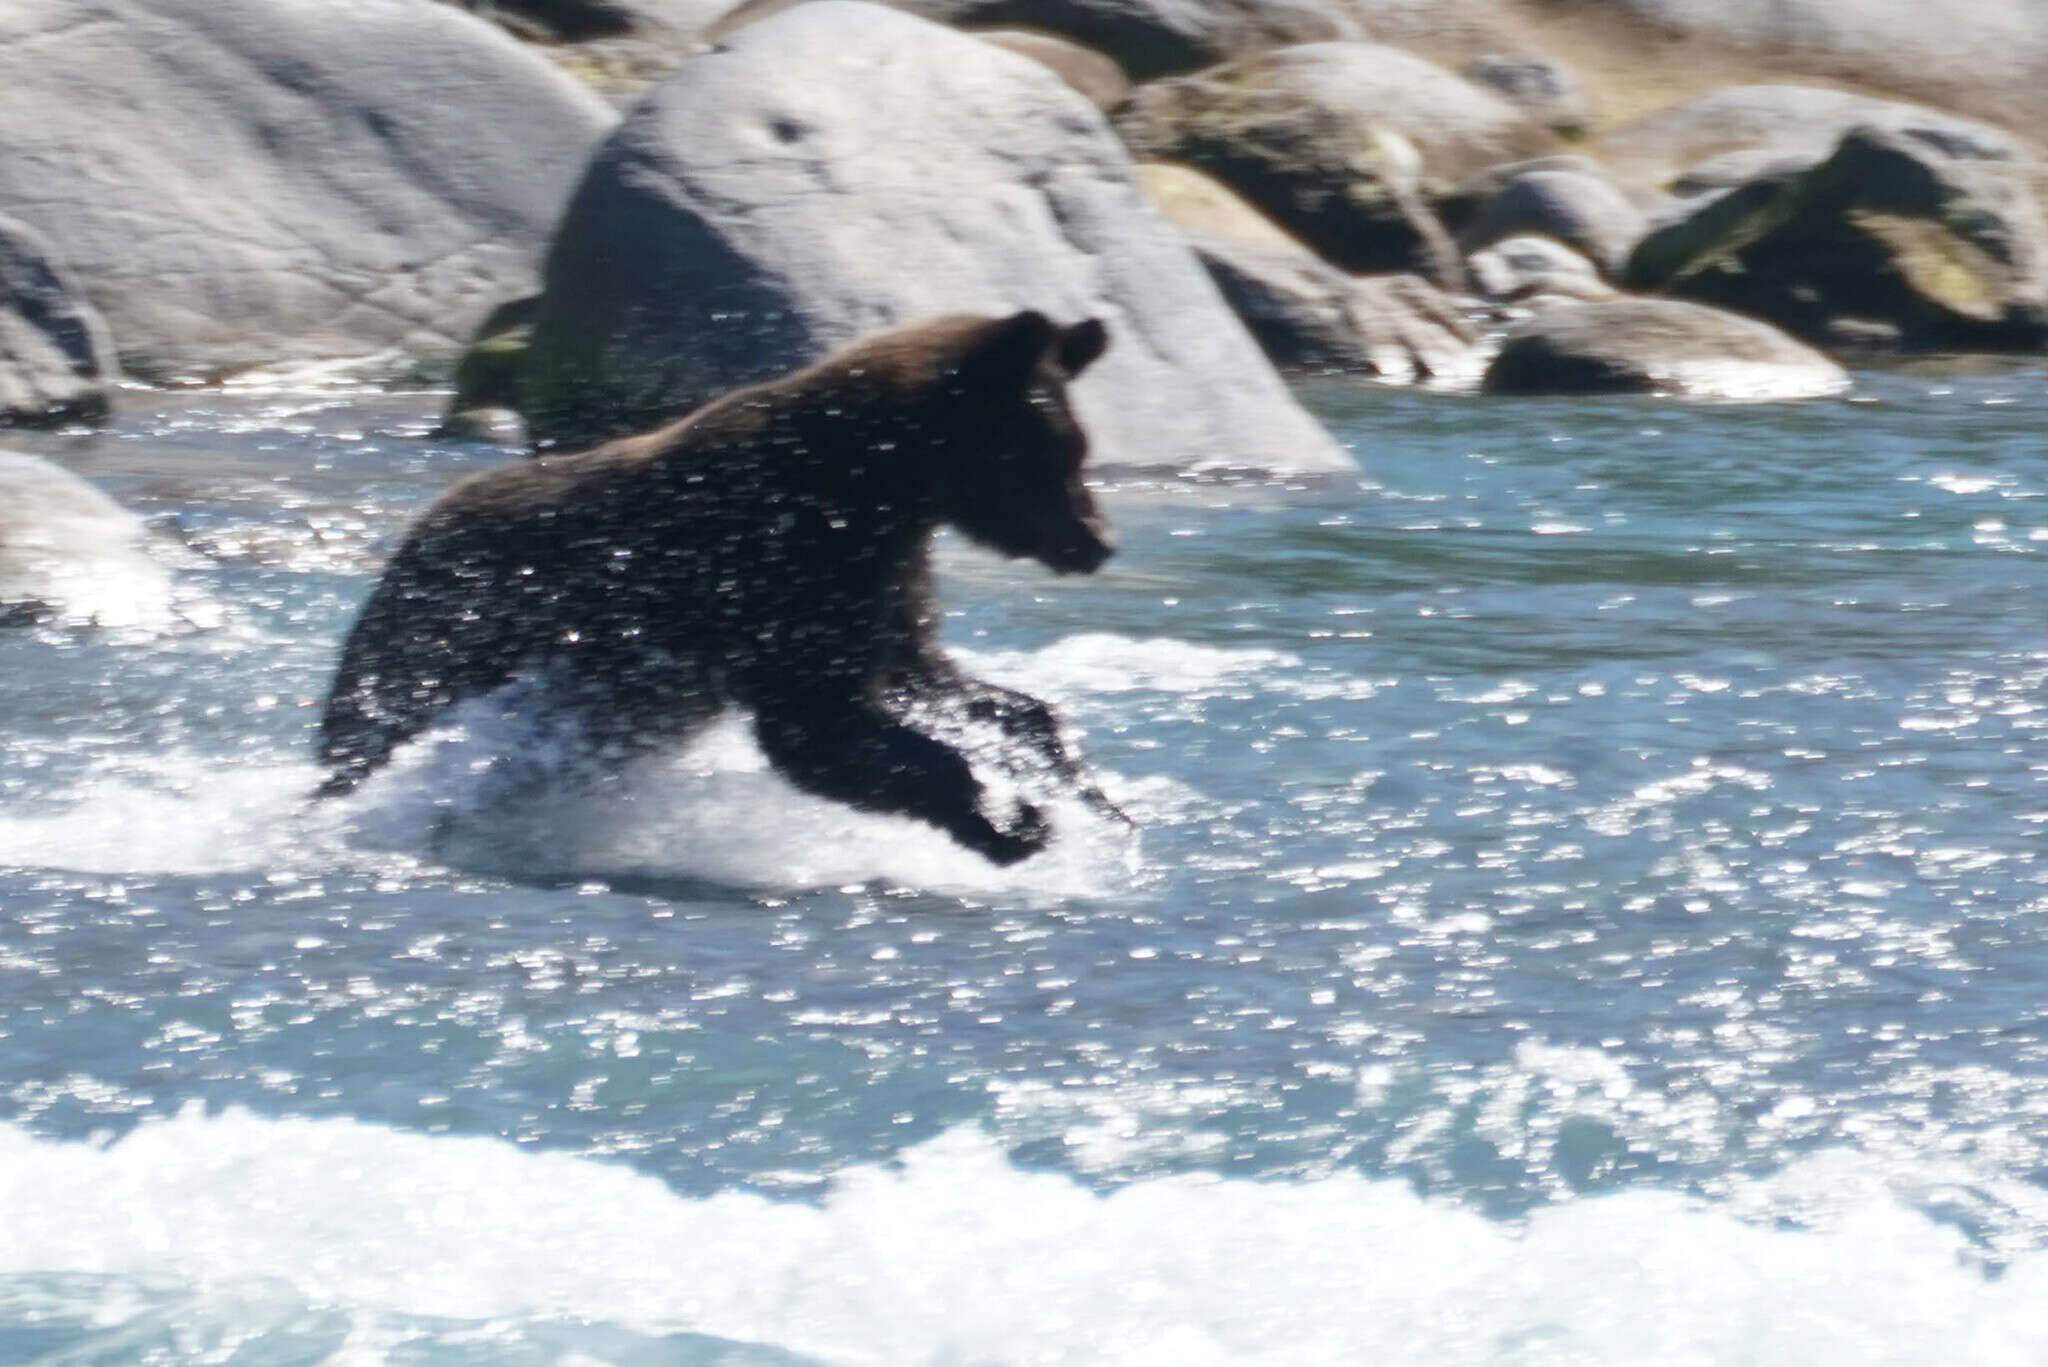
x,y
858,754
1022,717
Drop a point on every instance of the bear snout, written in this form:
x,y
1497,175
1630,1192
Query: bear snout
x,y
1081,552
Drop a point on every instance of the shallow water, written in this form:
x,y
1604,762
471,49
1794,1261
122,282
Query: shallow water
x,y
1584,912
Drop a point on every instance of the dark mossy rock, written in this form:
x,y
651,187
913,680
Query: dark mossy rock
x,y
1083,68
56,361
1644,346
1313,318
489,376
1887,237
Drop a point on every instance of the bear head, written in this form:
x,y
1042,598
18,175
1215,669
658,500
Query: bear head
x,y
1012,479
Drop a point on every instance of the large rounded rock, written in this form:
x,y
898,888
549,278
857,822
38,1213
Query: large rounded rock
x,y
1541,87
1985,57
56,362
1534,269
1342,143
1457,205
1787,120
1346,188
1456,126
259,181
1887,237
1643,346
1311,317
1586,213
69,553
1146,38
841,168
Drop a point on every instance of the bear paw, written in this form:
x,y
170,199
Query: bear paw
x,y
1029,833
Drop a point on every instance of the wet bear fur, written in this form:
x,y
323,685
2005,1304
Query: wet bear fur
x,y
768,552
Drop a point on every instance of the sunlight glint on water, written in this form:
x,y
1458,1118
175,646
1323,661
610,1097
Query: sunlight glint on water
x,y
1585,911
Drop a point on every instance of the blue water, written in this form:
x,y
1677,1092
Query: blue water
x,y
1587,910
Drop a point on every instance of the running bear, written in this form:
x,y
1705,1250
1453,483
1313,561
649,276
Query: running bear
x,y
770,551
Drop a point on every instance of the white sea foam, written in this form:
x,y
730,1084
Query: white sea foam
x,y
713,812
77,554
954,1255
1102,662
716,812
174,814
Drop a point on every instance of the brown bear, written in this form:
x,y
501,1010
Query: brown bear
x,y
770,551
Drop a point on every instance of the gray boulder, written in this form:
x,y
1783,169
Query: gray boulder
x,y
1146,38
1642,346
1533,270
263,181
1541,87
1457,127
842,168
1335,142
1986,57
56,363
1311,317
1457,205
1887,238
1789,119
69,553
1586,213
1347,187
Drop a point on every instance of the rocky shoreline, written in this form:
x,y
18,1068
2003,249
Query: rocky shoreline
x,y
597,213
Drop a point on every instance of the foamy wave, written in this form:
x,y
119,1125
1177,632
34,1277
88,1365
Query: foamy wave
x,y
712,812
715,812
70,552
1096,664
955,1255
1103,662
174,814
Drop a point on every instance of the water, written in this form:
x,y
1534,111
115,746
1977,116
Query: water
x,y
1586,911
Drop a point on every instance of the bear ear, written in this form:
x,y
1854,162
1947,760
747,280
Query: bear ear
x,y
1007,349
1081,345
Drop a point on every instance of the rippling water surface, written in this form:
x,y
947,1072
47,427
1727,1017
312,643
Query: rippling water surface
x,y
1588,909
